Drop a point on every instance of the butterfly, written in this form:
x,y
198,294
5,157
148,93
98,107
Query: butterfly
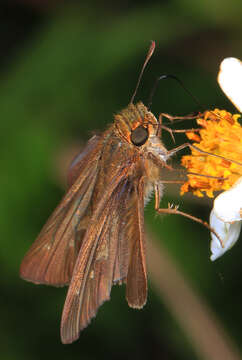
x,y
95,237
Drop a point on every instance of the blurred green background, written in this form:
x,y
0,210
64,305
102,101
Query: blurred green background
x,y
65,69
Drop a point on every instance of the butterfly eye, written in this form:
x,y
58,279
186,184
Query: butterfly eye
x,y
139,136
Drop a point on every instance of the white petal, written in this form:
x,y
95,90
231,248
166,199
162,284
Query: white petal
x,y
228,205
230,80
229,234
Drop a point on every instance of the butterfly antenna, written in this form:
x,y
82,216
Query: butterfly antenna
x,y
148,56
162,77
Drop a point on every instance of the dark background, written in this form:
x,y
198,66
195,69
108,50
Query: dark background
x,y
64,71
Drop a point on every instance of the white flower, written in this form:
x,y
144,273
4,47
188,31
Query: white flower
x,y
230,80
225,219
226,215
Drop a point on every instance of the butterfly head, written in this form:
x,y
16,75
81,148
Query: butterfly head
x,y
140,128
136,124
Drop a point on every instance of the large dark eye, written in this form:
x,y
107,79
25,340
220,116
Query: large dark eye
x,y
139,136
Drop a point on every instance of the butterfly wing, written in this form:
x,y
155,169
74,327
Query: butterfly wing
x,y
136,288
107,256
52,256
83,159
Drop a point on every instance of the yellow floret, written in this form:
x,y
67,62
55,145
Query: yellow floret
x,y
220,134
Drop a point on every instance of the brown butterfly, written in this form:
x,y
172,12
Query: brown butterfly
x,y
95,237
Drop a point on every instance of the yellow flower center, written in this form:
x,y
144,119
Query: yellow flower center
x,y
220,134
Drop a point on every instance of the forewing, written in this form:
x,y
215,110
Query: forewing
x,y
104,260
94,272
52,256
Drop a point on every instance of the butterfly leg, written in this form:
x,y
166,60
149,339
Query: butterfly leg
x,y
192,146
172,118
174,210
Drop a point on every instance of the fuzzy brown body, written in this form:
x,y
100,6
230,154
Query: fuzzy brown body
x,y
95,237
